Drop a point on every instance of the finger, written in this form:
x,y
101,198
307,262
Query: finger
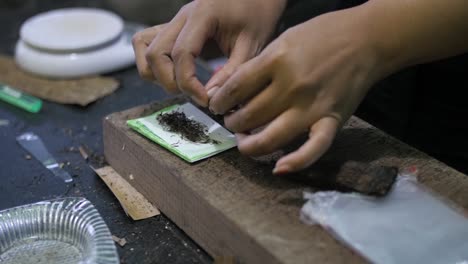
x,y
248,80
260,110
141,40
321,137
275,135
188,46
241,52
158,54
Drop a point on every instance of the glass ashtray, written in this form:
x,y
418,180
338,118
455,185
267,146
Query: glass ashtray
x,y
68,230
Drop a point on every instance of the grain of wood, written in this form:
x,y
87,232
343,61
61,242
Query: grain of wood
x,y
225,260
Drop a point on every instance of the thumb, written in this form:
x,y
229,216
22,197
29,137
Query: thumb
x,y
241,52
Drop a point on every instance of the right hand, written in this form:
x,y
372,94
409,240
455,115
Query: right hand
x,y
167,52
293,87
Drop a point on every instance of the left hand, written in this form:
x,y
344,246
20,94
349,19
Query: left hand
x,y
311,78
167,52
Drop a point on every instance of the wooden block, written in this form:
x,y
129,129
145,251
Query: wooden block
x,y
233,206
225,260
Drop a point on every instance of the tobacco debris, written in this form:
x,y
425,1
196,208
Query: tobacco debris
x,y
121,241
83,153
188,129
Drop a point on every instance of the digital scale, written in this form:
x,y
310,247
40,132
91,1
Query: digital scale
x,y
75,42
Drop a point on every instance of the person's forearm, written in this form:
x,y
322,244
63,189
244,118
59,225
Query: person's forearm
x,y
409,32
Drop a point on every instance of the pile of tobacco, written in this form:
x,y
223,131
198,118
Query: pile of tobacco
x,y
191,130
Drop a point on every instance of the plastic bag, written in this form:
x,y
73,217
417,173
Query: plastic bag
x,y
409,225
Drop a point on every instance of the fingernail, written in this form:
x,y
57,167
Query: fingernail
x,y
212,91
283,169
213,81
212,111
239,137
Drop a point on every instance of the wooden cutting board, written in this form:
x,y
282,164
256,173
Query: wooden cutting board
x,y
232,205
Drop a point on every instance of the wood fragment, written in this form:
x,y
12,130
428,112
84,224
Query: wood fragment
x,y
120,241
83,153
370,180
133,202
351,176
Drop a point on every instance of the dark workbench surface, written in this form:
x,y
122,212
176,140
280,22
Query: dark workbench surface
x,y
22,181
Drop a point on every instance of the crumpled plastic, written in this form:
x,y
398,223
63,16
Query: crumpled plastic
x,y
409,225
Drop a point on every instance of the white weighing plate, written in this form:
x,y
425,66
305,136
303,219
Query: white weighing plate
x,y
71,29
63,65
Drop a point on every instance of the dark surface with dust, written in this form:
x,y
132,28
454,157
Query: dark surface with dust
x,y
191,130
63,129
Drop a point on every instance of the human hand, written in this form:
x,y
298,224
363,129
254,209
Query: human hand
x,y
167,53
311,78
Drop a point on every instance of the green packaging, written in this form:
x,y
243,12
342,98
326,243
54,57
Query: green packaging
x,y
20,99
149,127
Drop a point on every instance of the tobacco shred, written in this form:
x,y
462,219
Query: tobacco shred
x,y
188,129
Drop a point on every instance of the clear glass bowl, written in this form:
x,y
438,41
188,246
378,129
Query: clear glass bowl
x,y
68,230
